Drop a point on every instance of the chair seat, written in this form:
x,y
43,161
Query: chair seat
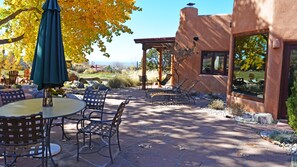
x,y
98,129
94,98
103,128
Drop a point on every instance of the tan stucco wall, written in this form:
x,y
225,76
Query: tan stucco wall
x,y
279,18
214,35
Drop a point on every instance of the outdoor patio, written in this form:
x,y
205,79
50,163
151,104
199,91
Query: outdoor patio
x,y
174,136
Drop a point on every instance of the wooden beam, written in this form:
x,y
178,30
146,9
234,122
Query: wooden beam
x,y
143,68
160,66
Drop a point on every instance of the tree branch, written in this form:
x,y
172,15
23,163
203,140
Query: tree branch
x,y
13,15
5,41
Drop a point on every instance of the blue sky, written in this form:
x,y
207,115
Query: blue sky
x,y
158,18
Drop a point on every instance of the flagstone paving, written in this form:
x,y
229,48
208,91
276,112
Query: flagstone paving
x,y
175,136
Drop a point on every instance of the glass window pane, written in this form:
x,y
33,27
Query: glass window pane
x,y
249,64
219,63
206,64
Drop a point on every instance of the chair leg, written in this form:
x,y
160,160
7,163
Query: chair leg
x,y
63,131
8,164
109,146
118,137
77,151
84,139
90,140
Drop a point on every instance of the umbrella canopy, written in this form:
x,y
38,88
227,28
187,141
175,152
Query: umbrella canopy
x,y
49,67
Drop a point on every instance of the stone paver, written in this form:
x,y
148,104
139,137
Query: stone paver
x,y
175,136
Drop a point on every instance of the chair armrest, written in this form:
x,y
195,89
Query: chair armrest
x,y
81,122
100,121
99,112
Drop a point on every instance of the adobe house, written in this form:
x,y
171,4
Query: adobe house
x,y
208,62
261,75
205,41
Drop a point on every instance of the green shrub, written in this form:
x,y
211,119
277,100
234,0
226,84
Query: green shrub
x,y
16,86
58,91
217,104
292,107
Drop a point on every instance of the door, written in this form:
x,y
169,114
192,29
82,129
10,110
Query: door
x,y
289,74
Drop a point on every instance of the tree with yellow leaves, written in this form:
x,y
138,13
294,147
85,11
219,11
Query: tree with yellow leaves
x,y
85,23
11,62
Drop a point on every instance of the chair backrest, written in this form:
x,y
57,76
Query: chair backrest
x,y
95,98
27,73
19,134
118,115
13,76
22,130
8,96
165,80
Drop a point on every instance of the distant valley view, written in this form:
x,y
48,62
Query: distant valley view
x,y
124,64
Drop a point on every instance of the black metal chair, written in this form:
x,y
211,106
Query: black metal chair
x,y
18,135
95,99
13,77
165,80
105,128
8,96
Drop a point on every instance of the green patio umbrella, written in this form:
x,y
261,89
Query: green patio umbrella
x,y
49,66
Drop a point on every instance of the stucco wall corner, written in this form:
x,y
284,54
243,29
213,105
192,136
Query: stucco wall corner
x,y
188,13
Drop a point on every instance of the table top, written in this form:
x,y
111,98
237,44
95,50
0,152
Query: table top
x,y
61,107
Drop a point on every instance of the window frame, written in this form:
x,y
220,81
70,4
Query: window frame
x,y
242,95
213,71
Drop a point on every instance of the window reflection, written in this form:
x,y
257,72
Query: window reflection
x,y
250,53
214,63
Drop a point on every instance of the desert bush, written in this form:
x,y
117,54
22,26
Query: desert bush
x,y
129,82
217,104
72,75
80,68
292,107
121,82
90,71
116,82
236,109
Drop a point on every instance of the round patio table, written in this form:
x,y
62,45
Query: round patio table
x,y
61,107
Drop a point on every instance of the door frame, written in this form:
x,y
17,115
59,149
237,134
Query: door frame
x,y
282,110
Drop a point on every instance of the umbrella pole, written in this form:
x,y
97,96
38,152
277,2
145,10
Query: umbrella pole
x,y
47,97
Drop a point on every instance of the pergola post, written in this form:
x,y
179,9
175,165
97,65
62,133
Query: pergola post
x,y
143,69
160,66
158,43
172,68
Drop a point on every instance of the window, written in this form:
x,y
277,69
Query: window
x,y
250,54
214,63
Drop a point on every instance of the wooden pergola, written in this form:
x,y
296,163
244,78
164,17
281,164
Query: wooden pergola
x,y
158,43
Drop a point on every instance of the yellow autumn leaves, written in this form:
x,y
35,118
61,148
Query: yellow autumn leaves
x,y
85,24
